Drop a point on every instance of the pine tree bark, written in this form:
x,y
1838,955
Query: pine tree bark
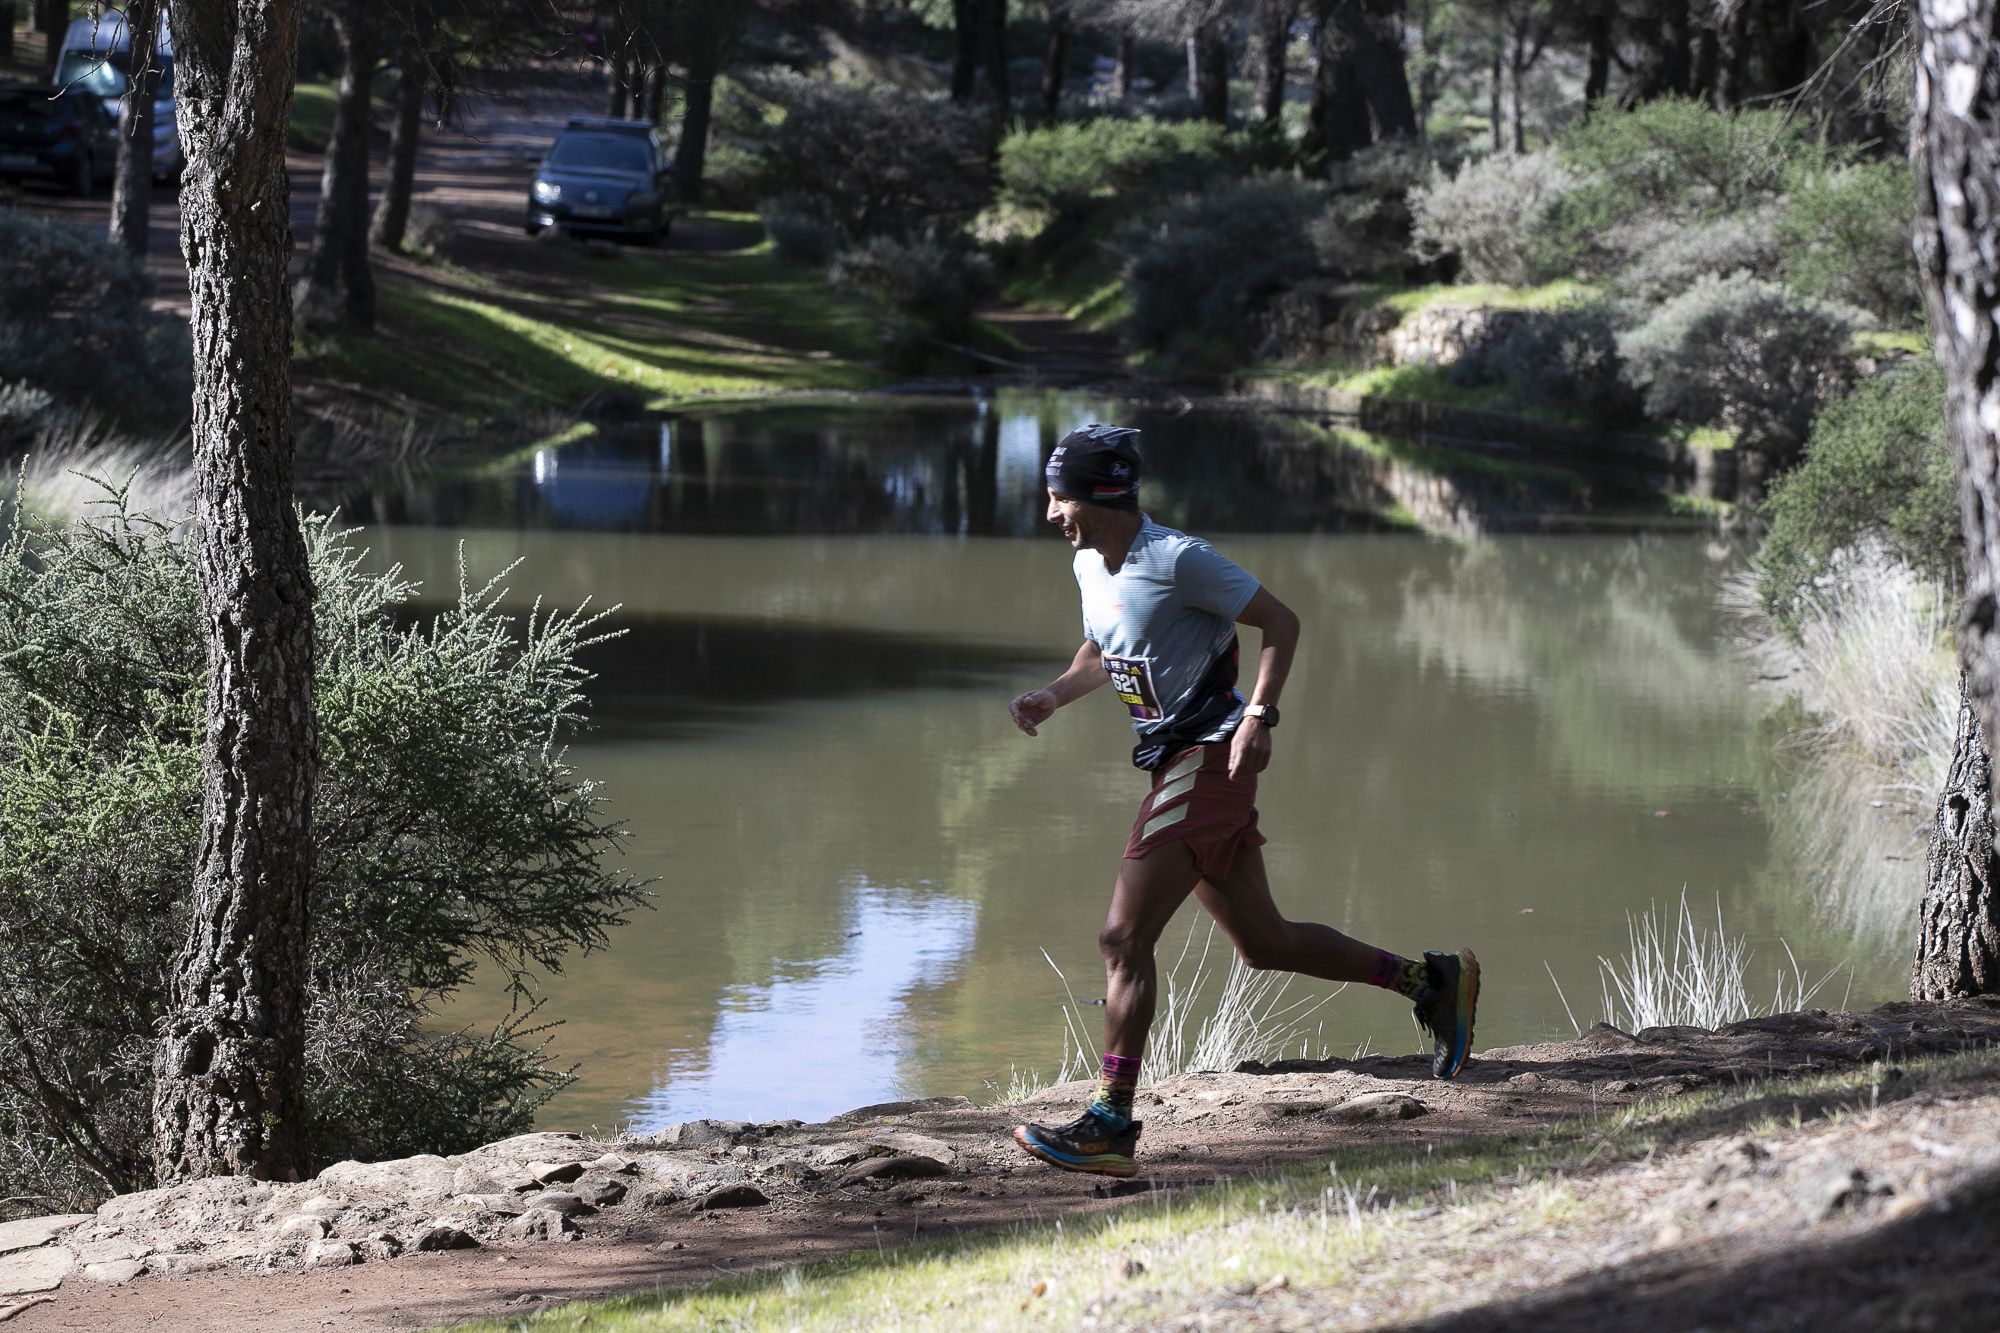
x,y
1377,41
392,210
690,159
1121,72
338,289
1054,56
965,31
1597,54
6,29
993,50
230,1067
1958,936
1339,113
1274,30
1956,147
132,181
51,18
1208,71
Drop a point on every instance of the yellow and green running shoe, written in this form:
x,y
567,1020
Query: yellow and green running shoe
x,y
1087,1143
1445,1008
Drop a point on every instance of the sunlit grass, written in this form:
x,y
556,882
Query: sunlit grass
x,y
1488,296
312,115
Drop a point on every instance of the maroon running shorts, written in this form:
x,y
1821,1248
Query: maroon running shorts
x,y
1195,801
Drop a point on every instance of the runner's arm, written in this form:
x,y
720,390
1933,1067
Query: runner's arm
x,y
1250,748
1086,673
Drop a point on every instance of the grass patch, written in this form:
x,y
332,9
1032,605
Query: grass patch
x,y
1555,295
1078,276
731,324
312,117
1877,341
1329,1230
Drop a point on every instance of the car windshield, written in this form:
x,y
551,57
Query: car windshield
x,y
600,152
107,76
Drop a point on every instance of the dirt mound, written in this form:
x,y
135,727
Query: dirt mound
x,y
549,1217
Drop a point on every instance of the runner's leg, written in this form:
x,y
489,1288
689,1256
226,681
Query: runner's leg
x,y
1150,889
1264,939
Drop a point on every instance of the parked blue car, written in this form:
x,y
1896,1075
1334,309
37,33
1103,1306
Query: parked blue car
x,y
604,177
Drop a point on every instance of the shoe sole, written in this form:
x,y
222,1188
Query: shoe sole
x,y
1122,1167
1468,1003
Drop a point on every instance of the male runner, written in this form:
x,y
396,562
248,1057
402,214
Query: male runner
x,y
1159,615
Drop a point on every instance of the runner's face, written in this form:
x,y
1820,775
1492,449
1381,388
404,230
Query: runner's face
x,y
1078,523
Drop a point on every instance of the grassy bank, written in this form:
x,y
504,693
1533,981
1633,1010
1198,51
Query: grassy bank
x,y
1387,1235
668,327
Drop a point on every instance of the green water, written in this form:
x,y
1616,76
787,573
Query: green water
x,y
1507,741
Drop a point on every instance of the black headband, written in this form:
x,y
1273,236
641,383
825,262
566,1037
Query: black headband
x,y
1097,464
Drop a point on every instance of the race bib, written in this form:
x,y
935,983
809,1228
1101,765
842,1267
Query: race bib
x,y
1132,677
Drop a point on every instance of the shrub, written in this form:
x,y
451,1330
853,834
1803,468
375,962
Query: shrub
x,y
1564,358
802,226
447,833
1199,270
1366,226
1744,354
430,230
23,411
1664,258
884,160
1845,236
1674,160
932,279
1066,168
1877,469
1486,215
73,312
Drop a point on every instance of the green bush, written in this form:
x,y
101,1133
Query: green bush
x,y
1674,160
886,161
1200,269
1845,236
1664,258
931,281
448,833
802,226
1744,354
1366,227
1486,215
1068,168
1877,469
1564,359
74,319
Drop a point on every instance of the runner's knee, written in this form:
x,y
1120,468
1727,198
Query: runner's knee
x,y
1121,946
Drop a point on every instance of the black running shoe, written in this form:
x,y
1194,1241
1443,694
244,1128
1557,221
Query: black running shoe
x,y
1445,1008
1085,1144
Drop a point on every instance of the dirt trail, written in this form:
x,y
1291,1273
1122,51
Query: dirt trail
x,y
900,1172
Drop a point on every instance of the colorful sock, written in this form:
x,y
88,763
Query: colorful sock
x,y
1405,976
1120,1080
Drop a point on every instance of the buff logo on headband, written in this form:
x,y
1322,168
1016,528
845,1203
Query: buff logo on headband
x,y
1098,464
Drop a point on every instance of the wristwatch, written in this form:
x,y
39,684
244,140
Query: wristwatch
x,y
1265,713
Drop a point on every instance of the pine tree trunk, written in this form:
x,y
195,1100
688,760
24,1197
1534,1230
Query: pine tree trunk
x,y
1517,73
1597,55
1208,72
6,29
1053,59
392,210
965,31
1339,110
656,94
230,1067
689,160
1377,42
1958,936
1121,73
1956,144
132,183
338,290
993,14
51,19
1494,76
1274,23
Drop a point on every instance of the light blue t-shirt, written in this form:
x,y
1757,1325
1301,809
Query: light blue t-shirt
x,y
1161,622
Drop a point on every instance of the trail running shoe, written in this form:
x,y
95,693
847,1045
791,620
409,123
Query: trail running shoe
x,y
1084,1144
1445,1008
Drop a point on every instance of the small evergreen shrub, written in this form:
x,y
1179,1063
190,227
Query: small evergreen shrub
x,y
934,276
1675,160
1366,226
1877,468
884,160
1744,354
1067,168
1486,214
802,226
430,230
448,835
1845,236
1665,258
73,311
1565,359
1200,269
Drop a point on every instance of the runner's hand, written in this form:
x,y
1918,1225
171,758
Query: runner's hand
x,y
1249,749
1032,709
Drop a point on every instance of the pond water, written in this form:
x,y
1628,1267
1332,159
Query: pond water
x,y
865,873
